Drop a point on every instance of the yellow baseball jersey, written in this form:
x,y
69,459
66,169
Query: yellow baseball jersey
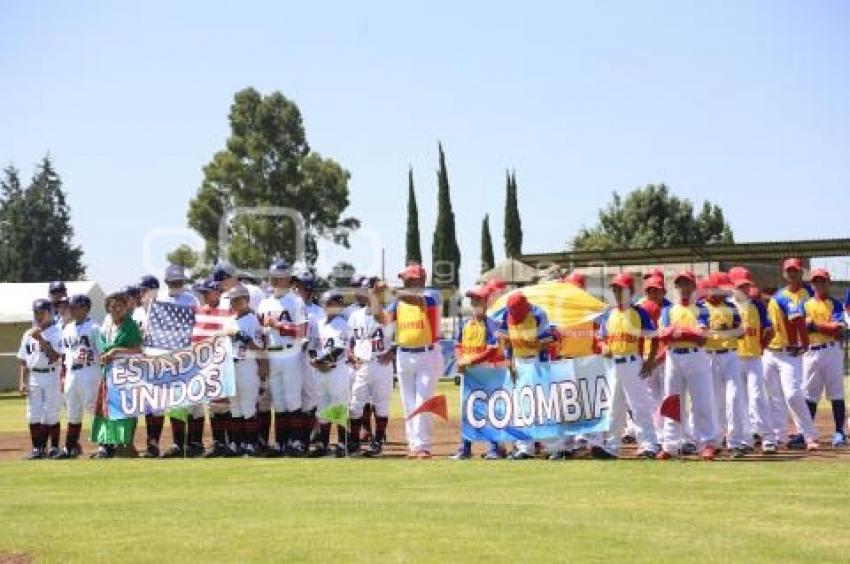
x,y
417,324
754,321
575,341
691,316
822,311
723,322
624,329
785,305
524,337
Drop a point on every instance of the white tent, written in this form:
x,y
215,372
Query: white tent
x,y
16,317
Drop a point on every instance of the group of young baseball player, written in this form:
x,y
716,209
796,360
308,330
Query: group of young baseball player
x,y
718,365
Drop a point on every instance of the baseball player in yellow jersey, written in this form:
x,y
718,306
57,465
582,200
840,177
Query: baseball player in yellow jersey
x,y
755,329
783,361
823,363
684,328
416,315
576,341
730,388
623,330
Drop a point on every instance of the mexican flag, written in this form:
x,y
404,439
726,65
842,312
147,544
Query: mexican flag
x,y
105,430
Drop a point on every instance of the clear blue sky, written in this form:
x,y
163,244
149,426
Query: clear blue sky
x,y
744,103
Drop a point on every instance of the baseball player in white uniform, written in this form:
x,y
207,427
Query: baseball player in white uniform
x,y
823,363
282,316
372,355
40,355
252,372
82,371
178,293
304,285
333,379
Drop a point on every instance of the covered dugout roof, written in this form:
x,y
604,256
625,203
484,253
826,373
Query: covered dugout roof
x,y
768,252
16,298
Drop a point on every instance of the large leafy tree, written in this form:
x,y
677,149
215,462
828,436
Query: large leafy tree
x,y
513,223
653,217
413,247
445,253
35,228
488,261
266,167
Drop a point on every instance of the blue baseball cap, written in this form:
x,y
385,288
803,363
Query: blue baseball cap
x,y
149,282
279,269
223,271
80,300
209,286
56,287
42,305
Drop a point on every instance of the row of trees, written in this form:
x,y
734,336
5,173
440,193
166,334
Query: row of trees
x,y
445,253
36,236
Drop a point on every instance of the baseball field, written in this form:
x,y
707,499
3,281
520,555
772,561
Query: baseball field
x,y
358,510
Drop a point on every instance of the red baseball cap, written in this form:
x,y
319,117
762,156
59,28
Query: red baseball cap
x,y
480,292
623,280
706,283
742,280
738,272
792,263
518,307
654,273
721,280
656,282
820,273
576,278
495,284
687,275
412,271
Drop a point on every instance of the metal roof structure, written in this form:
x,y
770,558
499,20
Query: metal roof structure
x,y
768,252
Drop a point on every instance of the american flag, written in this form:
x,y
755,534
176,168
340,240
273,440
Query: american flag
x,y
173,327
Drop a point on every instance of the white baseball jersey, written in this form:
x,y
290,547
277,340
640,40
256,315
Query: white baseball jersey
x,y
31,353
250,326
140,316
79,343
333,334
256,295
370,337
350,309
287,308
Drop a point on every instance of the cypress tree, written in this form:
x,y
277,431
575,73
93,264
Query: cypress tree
x,y
513,224
414,249
445,254
487,259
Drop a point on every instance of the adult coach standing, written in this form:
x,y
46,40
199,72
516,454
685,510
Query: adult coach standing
x,y
416,318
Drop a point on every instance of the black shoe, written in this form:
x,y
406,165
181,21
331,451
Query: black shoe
x,y
52,453
354,448
757,439
374,449
218,450
339,451
233,450
250,450
194,450
561,455
174,452
796,442
35,454
519,455
318,452
600,453
629,440
274,451
736,452
296,449
648,454
63,454
102,454
151,451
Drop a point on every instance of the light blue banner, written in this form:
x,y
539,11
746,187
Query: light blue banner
x,y
548,400
144,384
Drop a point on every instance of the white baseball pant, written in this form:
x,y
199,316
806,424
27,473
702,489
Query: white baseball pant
x,y
81,387
286,377
655,388
630,392
44,401
783,374
334,388
730,397
760,412
823,371
373,383
691,372
244,404
418,373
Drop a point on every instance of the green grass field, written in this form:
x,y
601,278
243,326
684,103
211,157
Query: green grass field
x,y
433,511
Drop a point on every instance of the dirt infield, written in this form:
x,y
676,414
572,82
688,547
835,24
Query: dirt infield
x,y
16,445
